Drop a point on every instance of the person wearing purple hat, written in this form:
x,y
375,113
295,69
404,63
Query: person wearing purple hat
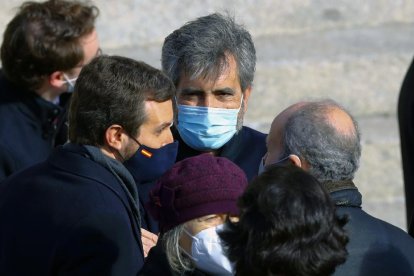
x,y
191,202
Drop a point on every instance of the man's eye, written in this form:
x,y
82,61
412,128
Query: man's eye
x,y
225,98
226,95
159,132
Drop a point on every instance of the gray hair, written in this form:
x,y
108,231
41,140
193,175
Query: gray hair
x,y
332,155
179,263
201,47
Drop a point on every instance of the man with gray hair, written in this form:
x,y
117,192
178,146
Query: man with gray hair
x,y
323,139
212,62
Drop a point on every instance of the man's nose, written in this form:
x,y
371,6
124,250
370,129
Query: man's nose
x,y
209,101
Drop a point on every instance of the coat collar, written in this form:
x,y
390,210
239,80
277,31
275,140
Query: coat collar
x,y
344,193
76,160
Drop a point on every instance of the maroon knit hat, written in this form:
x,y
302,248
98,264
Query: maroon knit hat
x,y
195,187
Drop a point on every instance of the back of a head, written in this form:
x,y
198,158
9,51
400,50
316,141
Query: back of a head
x,y
329,144
43,37
113,90
200,49
287,226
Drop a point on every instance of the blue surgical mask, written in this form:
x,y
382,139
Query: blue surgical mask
x,y
70,82
262,166
206,128
148,164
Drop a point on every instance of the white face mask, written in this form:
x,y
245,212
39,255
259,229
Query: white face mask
x,y
207,252
70,82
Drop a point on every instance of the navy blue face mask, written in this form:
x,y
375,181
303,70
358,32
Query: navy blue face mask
x,y
148,164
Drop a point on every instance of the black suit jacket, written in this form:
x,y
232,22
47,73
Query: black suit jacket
x,y
67,216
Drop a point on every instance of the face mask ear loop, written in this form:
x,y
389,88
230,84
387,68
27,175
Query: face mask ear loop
x,y
187,254
136,141
188,234
193,238
116,152
69,81
241,101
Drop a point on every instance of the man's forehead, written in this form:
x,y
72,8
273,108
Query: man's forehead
x,y
218,71
159,111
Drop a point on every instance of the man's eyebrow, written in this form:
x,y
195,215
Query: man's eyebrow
x,y
165,125
190,90
226,90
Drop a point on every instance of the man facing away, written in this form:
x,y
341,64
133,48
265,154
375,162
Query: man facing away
x,y
211,60
77,212
45,46
323,139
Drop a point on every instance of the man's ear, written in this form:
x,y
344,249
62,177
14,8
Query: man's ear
x,y
56,79
246,96
114,137
295,160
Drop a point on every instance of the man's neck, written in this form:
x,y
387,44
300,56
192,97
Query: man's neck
x,y
107,151
48,96
48,93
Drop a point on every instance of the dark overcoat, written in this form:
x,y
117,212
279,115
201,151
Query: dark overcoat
x,y
67,216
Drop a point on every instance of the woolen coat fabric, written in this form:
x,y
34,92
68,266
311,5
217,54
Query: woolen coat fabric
x,y
375,247
245,149
30,127
67,216
406,125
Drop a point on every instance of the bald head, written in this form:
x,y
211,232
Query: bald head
x,y
274,140
323,135
340,120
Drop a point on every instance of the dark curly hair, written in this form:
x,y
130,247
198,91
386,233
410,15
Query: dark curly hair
x,y
287,226
43,37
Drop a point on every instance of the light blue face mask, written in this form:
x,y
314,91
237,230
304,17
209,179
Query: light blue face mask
x,y
206,128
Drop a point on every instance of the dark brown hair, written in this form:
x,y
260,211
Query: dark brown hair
x,y
43,38
113,90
